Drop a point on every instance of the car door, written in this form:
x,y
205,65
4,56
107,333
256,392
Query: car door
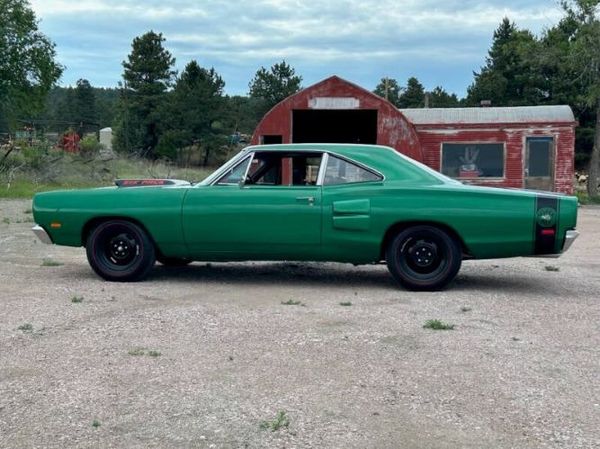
x,y
273,213
348,193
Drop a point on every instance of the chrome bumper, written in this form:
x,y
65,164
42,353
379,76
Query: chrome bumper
x,y
569,239
42,234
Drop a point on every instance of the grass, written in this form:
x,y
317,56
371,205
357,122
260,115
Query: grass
x,y
346,303
551,268
96,423
584,198
56,170
281,420
6,220
28,211
77,299
27,327
51,263
143,351
438,325
137,351
291,302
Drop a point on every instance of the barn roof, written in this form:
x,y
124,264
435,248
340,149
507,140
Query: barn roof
x,y
516,114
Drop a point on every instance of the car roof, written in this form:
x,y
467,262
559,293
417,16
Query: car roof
x,y
382,159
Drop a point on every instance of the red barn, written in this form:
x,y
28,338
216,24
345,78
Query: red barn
x,y
523,147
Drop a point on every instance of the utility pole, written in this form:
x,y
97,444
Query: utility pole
x,y
386,86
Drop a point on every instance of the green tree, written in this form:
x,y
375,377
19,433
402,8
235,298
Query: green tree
x,y
584,58
510,76
148,73
389,89
275,85
84,107
28,69
439,98
192,112
413,96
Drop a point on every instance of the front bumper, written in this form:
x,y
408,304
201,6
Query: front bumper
x,y
42,234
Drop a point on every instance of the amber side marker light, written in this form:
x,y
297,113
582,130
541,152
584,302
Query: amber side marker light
x,y
55,225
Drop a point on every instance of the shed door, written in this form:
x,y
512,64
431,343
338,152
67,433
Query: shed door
x,y
539,163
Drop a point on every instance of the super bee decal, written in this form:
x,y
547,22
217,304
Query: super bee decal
x,y
546,224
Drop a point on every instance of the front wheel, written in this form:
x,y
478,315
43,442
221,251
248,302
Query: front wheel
x,y
119,250
423,258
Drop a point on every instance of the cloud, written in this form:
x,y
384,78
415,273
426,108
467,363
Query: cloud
x,y
439,42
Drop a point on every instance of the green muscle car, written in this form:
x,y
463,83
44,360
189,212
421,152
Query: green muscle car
x,y
308,202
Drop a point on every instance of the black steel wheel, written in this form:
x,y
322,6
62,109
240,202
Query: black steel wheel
x,y
424,258
119,250
173,261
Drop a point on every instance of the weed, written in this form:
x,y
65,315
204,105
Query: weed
x,y
551,268
143,351
96,423
584,198
28,211
51,263
465,309
291,302
6,220
346,303
438,325
280,421
137,351
77,299
27,327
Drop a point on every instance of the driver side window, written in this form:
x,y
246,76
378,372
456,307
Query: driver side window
x,y
284,169
235,174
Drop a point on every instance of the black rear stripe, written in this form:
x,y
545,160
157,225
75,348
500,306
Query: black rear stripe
x,y
545,240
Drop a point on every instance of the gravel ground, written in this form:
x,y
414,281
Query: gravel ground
x,y
199,357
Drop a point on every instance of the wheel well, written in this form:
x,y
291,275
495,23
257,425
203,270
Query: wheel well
x,y
91,224
401,226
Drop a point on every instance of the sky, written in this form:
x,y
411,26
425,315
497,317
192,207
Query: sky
x,y
439,42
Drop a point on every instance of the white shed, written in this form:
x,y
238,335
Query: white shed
x,y
106,138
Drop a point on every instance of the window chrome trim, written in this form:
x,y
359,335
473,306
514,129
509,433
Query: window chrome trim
x,y
243,181
219,172
233,167
322,168
358,164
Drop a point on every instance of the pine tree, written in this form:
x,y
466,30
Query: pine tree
x,y
414,94
148,73
276,84
389,89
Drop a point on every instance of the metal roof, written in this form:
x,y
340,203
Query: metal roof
x,y
483,115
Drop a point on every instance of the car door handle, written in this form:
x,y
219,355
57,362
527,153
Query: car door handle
x,y
308,199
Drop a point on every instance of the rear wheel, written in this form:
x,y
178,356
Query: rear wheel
x,y
119,250
423,258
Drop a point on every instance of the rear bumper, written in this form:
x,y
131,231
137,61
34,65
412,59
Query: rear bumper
x,y
569,239
42,234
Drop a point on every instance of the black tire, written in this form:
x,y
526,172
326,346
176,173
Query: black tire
x,y
424,258
173,261
119,250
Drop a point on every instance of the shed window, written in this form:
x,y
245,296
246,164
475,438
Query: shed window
x,y
473,160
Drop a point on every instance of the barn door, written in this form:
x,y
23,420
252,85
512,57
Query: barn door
x,y
539,163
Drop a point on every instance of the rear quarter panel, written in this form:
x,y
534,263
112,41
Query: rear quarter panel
x,y
492,223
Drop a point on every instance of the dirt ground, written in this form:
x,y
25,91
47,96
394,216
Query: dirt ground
x,y
207,356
